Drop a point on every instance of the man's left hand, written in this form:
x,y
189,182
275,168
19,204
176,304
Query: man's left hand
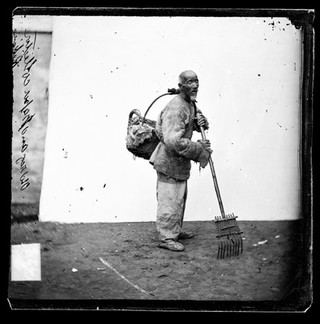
x,y
202,121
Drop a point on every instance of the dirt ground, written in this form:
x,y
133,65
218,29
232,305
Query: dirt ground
x,y
269,270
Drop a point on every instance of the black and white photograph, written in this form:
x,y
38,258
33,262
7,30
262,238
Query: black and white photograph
x,y
162,158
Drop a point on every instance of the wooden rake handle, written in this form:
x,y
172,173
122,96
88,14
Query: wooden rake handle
x,y
214,177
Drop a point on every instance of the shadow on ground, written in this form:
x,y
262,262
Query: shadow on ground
x,y
270,268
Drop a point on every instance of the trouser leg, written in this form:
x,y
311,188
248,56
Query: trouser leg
x,y
184,203
171,196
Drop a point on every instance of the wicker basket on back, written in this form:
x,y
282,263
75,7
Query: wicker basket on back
x,y
141,139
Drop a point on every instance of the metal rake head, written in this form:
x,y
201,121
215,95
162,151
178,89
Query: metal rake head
x,y
230,243
230,246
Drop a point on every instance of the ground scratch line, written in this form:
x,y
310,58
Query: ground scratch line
x,y
123,277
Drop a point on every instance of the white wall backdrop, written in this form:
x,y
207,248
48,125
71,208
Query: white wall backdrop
x,y
103,67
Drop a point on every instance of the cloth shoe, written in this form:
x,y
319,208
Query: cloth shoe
x,y
185,235
172,245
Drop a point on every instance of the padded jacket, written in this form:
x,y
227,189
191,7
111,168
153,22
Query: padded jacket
x,y
175,126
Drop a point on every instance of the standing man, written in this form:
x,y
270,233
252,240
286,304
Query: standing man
x,y
172,159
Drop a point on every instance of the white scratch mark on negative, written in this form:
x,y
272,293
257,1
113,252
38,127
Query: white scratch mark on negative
x,y
124,278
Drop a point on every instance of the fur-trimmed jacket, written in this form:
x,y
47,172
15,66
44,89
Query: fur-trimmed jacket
x,y
175,126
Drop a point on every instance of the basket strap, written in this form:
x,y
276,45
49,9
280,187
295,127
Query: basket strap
x,y
170,92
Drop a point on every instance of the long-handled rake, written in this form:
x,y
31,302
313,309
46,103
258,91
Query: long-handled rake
x,y
229,235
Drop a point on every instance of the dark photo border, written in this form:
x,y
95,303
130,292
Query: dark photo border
x,y
301,18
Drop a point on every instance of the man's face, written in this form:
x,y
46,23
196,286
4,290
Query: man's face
x,y
190,86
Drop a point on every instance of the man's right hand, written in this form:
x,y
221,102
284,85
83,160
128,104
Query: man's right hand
x,y
205,143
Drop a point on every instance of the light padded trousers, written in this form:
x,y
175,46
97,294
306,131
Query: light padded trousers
x,y
171,196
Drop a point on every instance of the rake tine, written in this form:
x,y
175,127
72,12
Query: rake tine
x,y
218,252
233,245
226,244
241,245
223,249
237,246
227,248
232,254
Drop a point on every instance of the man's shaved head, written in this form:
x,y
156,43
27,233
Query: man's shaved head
x,y
186,75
